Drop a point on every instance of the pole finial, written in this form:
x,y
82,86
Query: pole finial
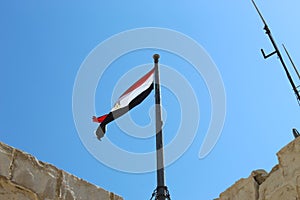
x,y
156,57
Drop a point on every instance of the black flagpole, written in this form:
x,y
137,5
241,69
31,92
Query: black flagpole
x,y
161,192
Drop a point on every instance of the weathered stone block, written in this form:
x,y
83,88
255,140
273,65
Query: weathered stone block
x,y
289,159
286,192
10,191
282,183
74,188
259,176
24,177
298,185
35,175
246,189
272,183
6,156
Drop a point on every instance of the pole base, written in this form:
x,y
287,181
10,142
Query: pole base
x,y
161,193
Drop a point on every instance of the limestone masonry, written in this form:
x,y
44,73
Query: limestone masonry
x,y
23,177
282,183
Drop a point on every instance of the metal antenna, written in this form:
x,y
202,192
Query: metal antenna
x,y
268,32
295,68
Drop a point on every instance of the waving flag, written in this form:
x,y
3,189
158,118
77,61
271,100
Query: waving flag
x,y
132,97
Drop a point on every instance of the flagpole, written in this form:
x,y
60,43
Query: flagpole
x,y
162,192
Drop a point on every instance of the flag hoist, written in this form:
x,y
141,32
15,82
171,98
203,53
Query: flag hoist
x,y
133,96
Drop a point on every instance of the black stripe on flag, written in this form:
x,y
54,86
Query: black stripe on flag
x,y
119,112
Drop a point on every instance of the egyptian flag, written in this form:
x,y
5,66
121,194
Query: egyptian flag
x,y
128,100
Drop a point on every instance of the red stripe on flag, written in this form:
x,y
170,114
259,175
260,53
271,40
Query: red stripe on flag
x,y
99,119
138,83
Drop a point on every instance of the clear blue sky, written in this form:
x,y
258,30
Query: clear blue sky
x,y
44,43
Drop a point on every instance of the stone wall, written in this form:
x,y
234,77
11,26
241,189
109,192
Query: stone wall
x,y
22,176
282,183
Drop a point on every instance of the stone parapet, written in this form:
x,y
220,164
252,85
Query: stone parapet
x,y
22,176
282,183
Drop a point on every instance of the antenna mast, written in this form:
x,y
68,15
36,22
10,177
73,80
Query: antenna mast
x,y
295,68
276,51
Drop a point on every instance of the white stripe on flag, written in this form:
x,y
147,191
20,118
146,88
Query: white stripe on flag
x,y
124,100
